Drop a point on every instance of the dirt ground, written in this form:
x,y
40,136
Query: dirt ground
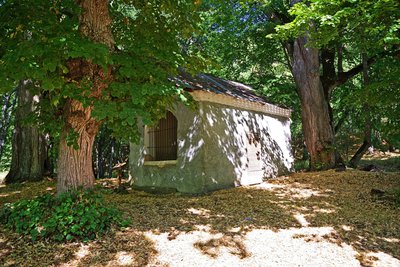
x,y
305,219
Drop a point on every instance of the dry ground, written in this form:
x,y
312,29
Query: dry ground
x,y
307,219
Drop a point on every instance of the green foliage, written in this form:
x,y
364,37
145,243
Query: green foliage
x,y
248,39
365,24
5,160
39,40
236,39
78,215
301,165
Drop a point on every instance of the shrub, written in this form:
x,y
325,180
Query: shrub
x,y
78,215
301,165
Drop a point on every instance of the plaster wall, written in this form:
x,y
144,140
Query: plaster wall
x,y
244,147
187,173
218,147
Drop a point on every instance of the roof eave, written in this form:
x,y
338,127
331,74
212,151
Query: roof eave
x,y
265,108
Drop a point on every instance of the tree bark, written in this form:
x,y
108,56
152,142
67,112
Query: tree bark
x,y
75,167
28,145
316,121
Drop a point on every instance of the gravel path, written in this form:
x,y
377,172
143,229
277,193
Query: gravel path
x,y
292,247
305,246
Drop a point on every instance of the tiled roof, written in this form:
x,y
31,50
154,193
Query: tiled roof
x,y
210,83
206,87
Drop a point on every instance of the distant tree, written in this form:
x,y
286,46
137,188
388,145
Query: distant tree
x,y
317,41
108,152
95,61
28,143
7,105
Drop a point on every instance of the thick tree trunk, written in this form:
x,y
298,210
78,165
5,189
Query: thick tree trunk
x,y
28,145
75,164
316,121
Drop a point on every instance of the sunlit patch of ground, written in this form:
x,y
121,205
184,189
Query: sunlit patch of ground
x,y
384,161
255,248
308,219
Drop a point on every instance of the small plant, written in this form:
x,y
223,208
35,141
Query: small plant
x,y
301,165
77,215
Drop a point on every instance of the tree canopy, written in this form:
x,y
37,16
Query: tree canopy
x,y
40,40
94,62
261,49
333,62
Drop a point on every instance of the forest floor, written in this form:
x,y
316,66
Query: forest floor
x,y
330,218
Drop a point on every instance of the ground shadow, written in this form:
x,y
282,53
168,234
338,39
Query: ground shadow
x,y
339,203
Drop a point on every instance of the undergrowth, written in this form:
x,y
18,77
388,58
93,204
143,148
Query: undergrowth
x,y
78,215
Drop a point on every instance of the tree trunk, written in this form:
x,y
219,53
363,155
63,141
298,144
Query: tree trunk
x,y
367,124
75,164
111,158
28,145
317,127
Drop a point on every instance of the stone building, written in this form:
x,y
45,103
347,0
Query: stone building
x,y
231,137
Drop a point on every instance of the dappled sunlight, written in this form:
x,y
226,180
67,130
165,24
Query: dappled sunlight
x,y
381,259
293,190
11,193
258,247
123,258
212,247
82,252
218,146
305,246
191,146
322,210
301,219
267,186
298,191
346,228
2,178
203,212
246,226
391,240
245,133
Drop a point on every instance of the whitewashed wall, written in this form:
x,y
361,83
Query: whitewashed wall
x,y
218,147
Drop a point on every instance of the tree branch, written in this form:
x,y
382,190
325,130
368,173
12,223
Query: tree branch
x,y
328,77
343,77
